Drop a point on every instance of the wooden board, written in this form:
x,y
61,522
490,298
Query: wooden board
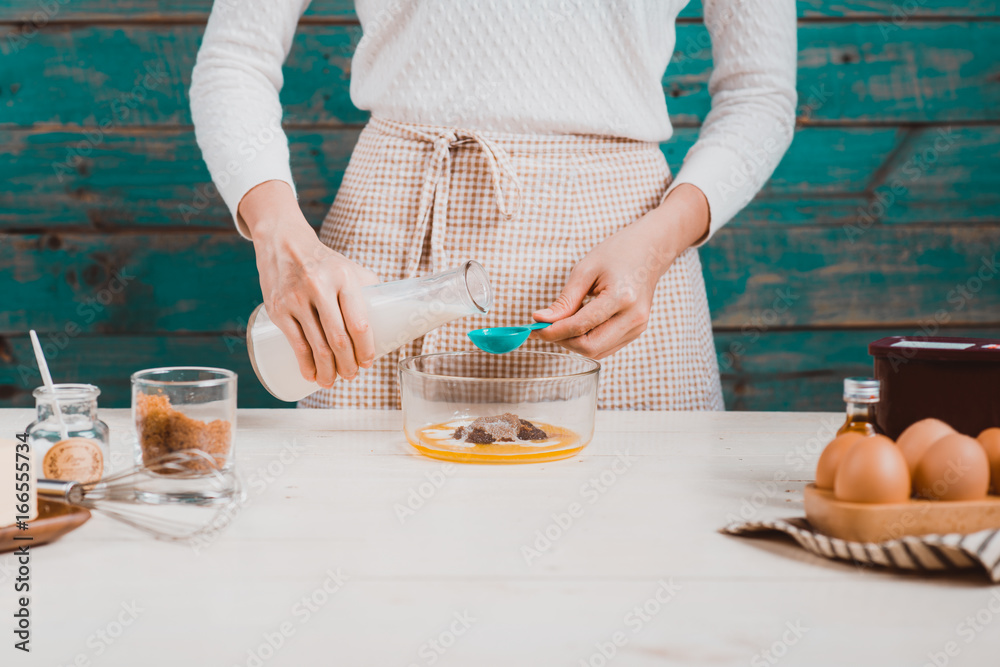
x,y
109,361
819,277
761,370
323,490
139,75
767,369
166,10
157,177
877,83
881,522
756,349
54,520
795,276
146,178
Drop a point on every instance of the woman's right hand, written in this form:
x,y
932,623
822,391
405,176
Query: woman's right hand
x,y
311,292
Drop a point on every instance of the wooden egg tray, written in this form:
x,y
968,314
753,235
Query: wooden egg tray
x,y
869,522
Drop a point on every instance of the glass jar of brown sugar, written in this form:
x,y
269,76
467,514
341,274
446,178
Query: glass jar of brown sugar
x,y
185,408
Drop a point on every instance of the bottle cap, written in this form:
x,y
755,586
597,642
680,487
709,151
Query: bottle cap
x,y
861,390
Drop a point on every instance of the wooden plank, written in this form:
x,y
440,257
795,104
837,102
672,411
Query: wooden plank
x,y
896,11
462,555
146,10
768,393
935,174
764,369
156,178
133,283
109,361
142,179
139,75
831,276
821,160
761,369
936,171
757,350
849,73
794,276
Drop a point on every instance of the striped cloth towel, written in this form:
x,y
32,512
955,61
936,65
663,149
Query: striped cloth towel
x,y
926,553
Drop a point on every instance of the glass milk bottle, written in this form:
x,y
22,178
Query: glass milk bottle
x,y
398,312
83,456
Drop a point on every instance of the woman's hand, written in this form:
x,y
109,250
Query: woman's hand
x,y
312,293
621,274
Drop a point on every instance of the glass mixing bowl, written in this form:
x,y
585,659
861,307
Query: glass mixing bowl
x,y
443,393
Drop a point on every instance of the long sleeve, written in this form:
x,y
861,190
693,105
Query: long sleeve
x,y
752,119
235,90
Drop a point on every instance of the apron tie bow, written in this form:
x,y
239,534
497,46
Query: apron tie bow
x,y
433,209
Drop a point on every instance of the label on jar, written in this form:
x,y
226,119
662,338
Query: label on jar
x,y
75,459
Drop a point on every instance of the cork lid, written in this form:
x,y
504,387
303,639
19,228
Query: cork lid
x,y
937,348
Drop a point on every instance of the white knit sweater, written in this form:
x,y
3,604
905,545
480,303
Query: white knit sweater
x,y
525,66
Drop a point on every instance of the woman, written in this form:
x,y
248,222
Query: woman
x,y
519,133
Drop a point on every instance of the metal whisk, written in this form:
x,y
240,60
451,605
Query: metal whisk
x,y
181,496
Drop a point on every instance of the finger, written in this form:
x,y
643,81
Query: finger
x,y
354,310
326,371
367,277
626,340
606,339
612,351
592,315
577,288
303,352
594,342
338,339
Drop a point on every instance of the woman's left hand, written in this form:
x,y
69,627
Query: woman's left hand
x,y
621,274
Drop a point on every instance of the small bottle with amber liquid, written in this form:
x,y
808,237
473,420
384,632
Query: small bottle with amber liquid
x,y
861,396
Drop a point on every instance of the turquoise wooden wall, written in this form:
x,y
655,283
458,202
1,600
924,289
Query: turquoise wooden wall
x,y
882,219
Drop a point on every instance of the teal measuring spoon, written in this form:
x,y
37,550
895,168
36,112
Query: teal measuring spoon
x,y
499,340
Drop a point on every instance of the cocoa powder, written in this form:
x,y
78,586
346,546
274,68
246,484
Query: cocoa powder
x,y
507,427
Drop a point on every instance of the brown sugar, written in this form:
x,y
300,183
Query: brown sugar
x,y
163,430
507,427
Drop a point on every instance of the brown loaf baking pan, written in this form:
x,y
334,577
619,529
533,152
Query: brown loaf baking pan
x,y
876,522
956,380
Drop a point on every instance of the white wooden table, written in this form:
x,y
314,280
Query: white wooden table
x,y
634,566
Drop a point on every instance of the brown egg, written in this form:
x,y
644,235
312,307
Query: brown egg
x,y
826,467
918,438
872,470
954,468
990,440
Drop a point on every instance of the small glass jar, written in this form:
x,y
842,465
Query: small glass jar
x,y
83,456
861,396
185,408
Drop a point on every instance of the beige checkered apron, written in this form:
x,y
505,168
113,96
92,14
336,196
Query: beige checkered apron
x,y
417,200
